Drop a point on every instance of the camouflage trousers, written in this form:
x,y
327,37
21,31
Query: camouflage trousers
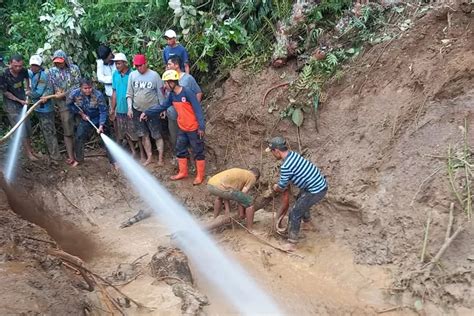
x,y
49,133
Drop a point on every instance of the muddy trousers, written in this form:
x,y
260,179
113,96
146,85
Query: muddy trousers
x,y
173,130
186,139
83,133
301,211
48,129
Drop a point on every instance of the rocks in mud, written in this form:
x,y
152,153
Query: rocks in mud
x,y
171,265
192,299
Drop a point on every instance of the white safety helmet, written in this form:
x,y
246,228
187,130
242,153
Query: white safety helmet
x,y
170,34
36,60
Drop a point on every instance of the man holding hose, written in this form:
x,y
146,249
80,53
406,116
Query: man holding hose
x,y
89,104
14,90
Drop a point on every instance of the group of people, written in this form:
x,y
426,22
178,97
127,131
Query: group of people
x,y
134,106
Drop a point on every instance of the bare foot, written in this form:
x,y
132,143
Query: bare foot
x,y
115,167
256,232
32,157
309,226
74,163
147,162
160,163
289,247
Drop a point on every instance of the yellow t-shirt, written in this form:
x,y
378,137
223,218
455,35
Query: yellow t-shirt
x,y
234,178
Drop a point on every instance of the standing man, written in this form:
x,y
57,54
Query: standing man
x,y
191,126
174,49
145,89
303,174
45,112
124,128
64,76
105,68
12,84
90,105
187,81
234,184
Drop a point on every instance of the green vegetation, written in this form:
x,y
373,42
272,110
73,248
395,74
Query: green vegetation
x,y
333,33
217,34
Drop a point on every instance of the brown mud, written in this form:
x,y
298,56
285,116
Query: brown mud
x,y
379,135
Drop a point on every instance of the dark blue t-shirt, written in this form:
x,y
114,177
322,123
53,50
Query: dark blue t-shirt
x,y
178,50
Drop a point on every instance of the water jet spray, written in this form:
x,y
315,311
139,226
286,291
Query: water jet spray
x,y
224,273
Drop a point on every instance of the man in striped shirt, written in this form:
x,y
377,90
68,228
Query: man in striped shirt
x,y
303,174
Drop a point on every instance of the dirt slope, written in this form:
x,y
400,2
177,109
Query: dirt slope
x,y
33,283
396,107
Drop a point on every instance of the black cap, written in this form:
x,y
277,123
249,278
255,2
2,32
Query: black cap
x,y
277,142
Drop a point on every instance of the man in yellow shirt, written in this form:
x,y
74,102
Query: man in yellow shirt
x,y
234,184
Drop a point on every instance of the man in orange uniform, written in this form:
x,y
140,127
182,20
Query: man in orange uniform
x,y
190,122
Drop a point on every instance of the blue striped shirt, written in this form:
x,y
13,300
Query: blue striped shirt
x,y
302,173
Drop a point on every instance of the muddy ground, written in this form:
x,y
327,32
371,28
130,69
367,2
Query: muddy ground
x,y
381,138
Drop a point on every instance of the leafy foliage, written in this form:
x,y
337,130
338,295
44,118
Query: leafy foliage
x,y
217,34
321,23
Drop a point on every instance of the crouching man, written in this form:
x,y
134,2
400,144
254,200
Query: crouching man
x,y
234,184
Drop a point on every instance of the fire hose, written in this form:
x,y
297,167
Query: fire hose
x,y
15,127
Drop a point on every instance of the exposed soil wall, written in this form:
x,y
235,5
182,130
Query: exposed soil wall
x,y
381,131
33,282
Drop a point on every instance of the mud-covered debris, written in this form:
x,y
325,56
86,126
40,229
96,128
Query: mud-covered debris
x,y
171,264
141,215
193,300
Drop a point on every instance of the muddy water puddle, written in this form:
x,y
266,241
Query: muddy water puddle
x,y
324,280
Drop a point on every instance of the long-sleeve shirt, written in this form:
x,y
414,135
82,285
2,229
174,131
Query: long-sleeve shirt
x,y
302,173
190,116
104,75
63,80
93,106
39,84
145,90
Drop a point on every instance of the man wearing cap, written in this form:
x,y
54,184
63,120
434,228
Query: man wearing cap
x,y
124,128
185,80
145,89
191,125
64,76
45,112
12,84
304,175
234,184
174,49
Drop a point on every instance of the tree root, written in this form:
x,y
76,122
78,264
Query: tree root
x,y
429,267
272,88
92,279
